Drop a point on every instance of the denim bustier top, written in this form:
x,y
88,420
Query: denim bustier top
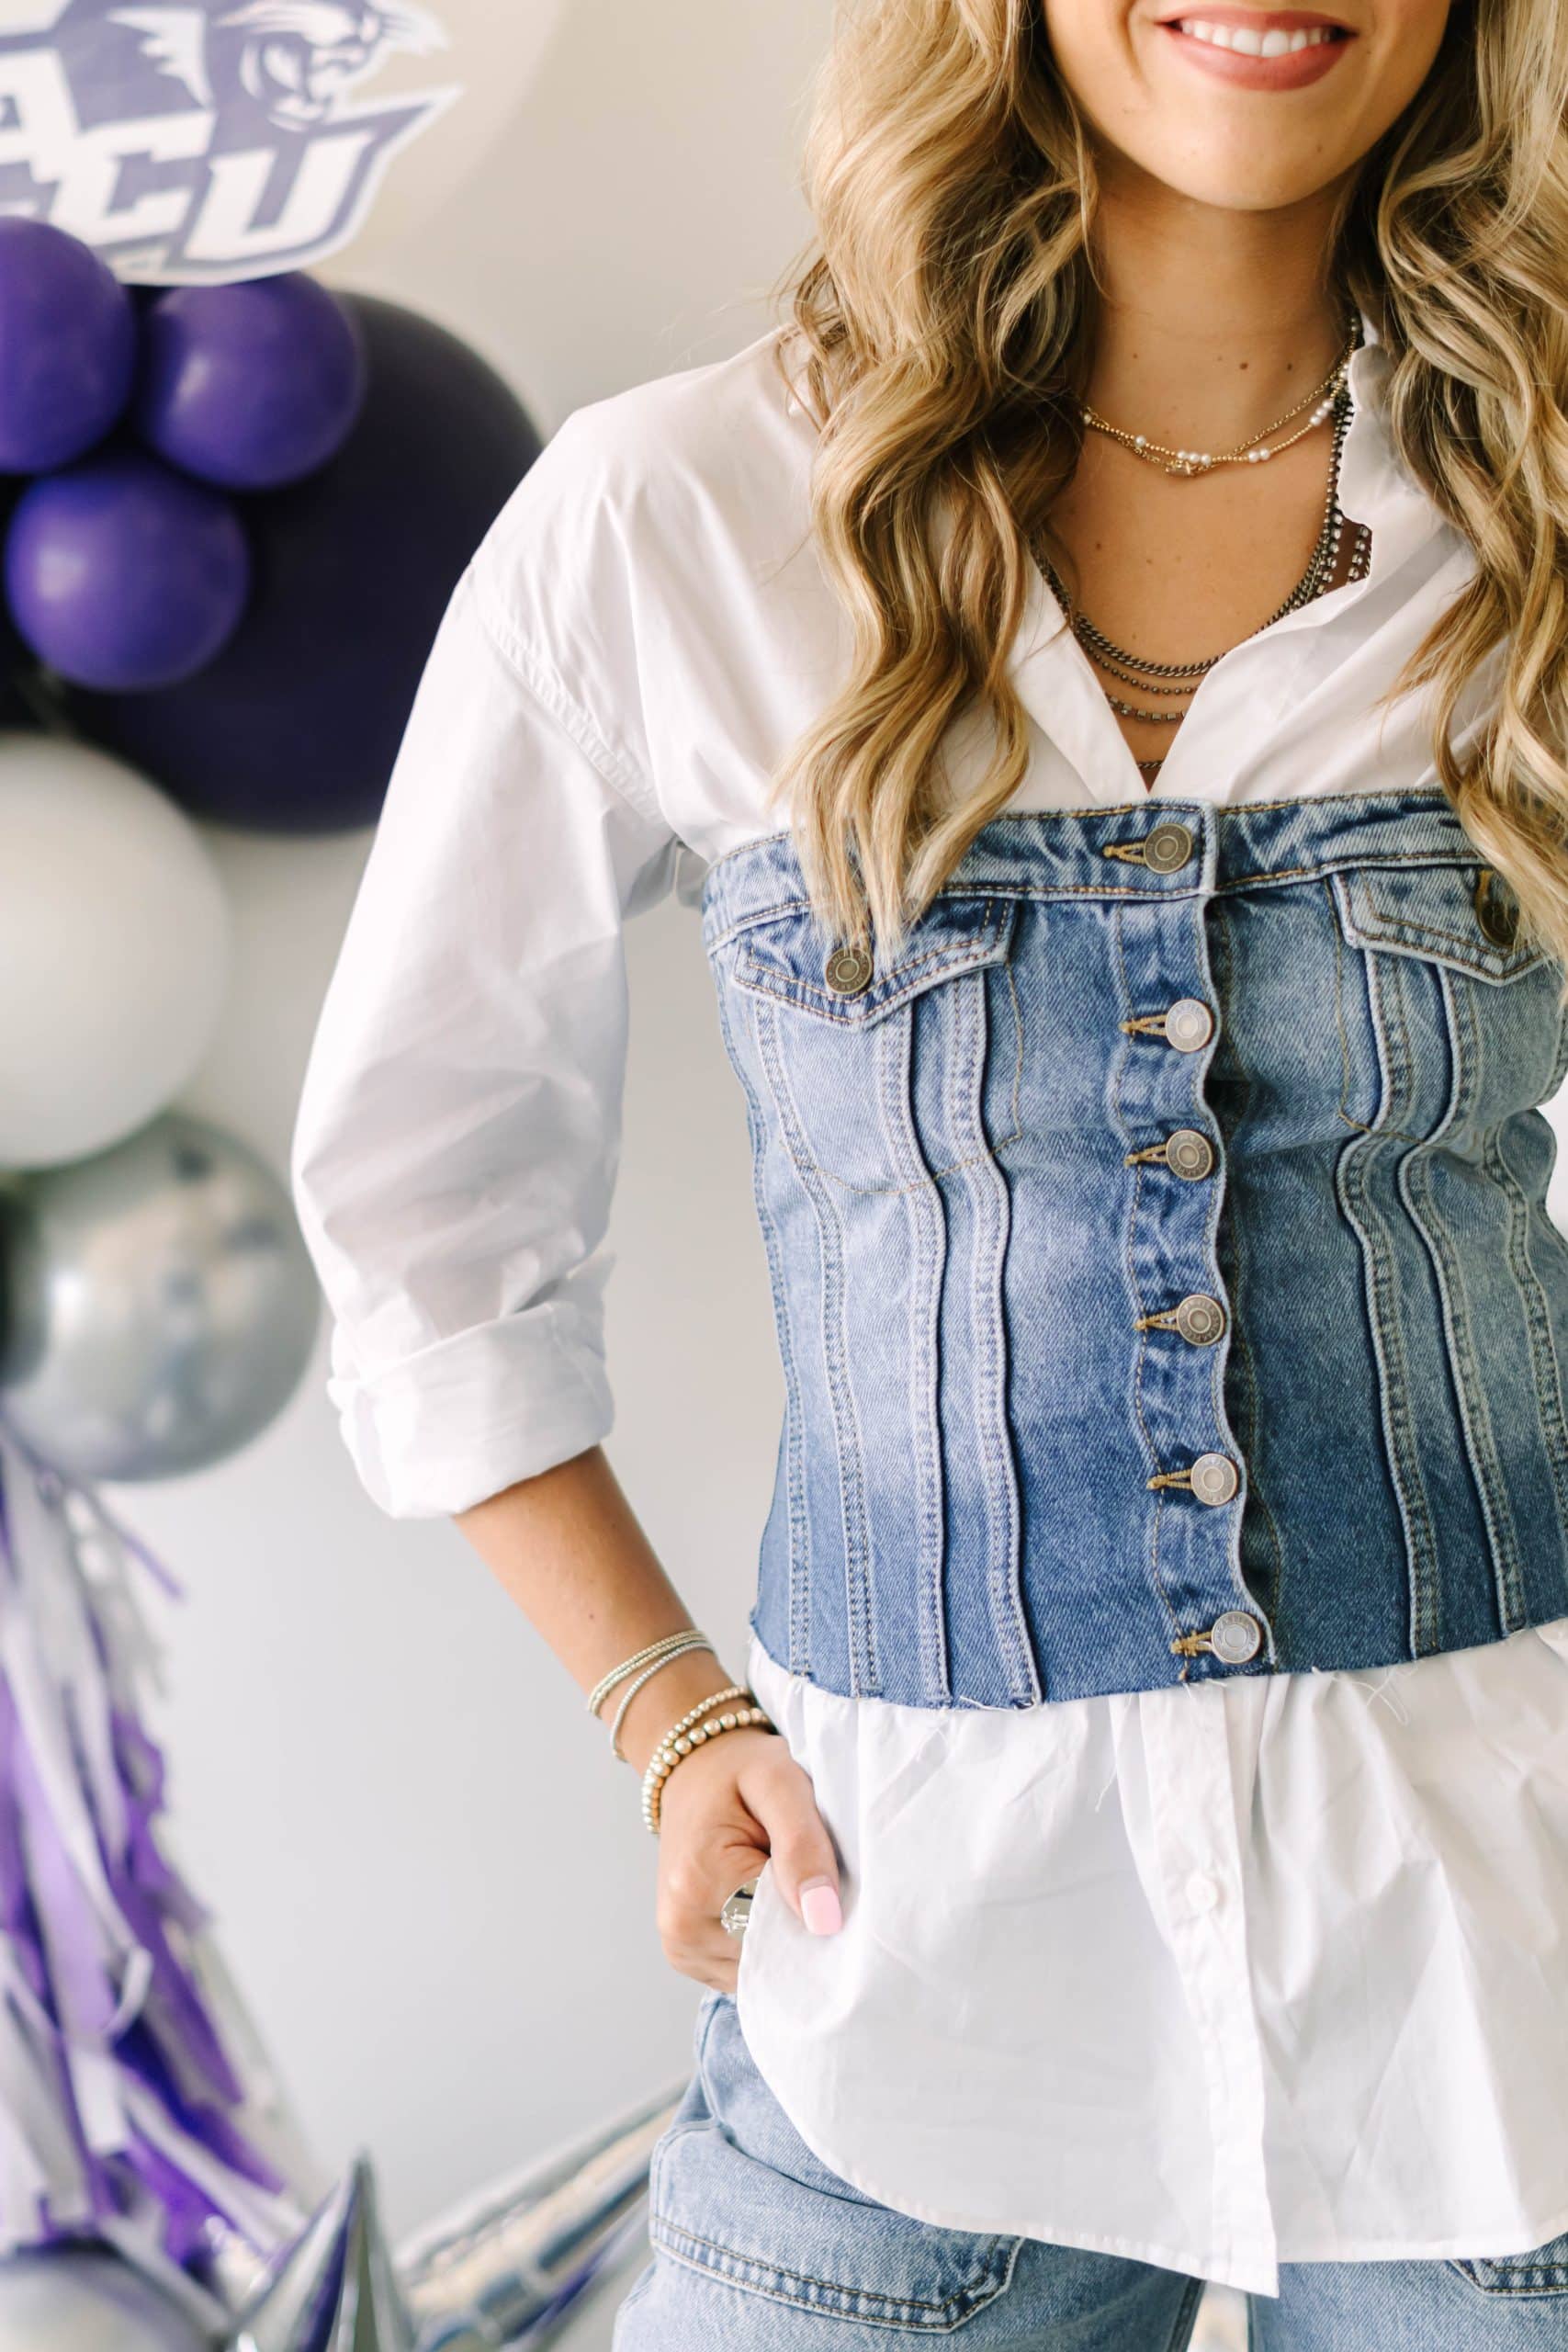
x,y
1160,1261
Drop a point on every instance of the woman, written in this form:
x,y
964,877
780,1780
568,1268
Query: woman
x,y
1103,656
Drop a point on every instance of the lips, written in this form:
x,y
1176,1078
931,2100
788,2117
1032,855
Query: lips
x,y
1263,48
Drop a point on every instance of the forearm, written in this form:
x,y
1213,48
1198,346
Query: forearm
x,y
568,1549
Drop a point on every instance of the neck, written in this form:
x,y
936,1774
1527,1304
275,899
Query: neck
x,y
1208,323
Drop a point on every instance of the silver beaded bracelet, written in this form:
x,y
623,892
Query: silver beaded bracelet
x,y
680,1650
687,1638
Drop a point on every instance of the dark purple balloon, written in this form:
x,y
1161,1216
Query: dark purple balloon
x,y
249,385
122,574
67,347
14,656
293,727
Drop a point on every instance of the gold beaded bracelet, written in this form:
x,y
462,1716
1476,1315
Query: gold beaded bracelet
x,y
680,1741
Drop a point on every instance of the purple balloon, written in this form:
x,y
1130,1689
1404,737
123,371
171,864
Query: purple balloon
x,y
124,575
250,385
293,728
67,347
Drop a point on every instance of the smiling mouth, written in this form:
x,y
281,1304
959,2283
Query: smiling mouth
x,y
1281,49
1250,40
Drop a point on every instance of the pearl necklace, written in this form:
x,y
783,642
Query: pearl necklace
x,y
1320,400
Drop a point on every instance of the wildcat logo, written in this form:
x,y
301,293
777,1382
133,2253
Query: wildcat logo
x,y
192,141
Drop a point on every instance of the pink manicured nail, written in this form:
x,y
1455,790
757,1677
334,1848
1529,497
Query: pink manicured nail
x,y
819,1907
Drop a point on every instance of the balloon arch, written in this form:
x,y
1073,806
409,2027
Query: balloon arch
x,y
230,518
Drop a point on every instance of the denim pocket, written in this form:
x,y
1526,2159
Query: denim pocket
x,y
1542,2272
906,1074
1446,987
737,2192
1458,914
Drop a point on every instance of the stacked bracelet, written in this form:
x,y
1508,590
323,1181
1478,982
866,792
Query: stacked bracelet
x,y
680,1741
667,1644
658,1654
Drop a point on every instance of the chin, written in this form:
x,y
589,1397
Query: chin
x,y
1236,170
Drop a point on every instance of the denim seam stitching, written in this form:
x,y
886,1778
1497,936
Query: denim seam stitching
x,y
897,1105
1368,1221
1505,2277
1201,1063
802,1159
852,1493
1341,932
799,1522
1001,891
1408,1170
1243,809
987,1322
1547,1370
920,1184
1247,1367
1475,1420
960,2299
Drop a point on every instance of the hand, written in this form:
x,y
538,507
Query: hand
x,y
725,1810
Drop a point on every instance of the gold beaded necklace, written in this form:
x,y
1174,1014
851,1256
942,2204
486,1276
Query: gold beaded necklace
x,y
1320,400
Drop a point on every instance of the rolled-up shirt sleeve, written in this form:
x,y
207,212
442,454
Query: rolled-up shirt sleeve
x,y
457,1135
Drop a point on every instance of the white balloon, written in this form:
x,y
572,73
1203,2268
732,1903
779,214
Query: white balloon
x,y
115,945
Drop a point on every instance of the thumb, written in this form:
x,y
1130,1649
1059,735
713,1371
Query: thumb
x,y
799,1847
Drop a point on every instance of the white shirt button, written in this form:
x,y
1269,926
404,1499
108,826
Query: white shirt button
x,y
1203,1892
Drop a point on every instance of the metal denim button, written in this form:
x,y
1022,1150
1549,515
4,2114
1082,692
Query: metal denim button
x,y
1189,1154
1189,1023
1215,1479
1234,1637
1497,908
847,971
1168,848
1200,1319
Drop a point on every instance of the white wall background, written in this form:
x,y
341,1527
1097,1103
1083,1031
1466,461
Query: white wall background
x,y
429,1875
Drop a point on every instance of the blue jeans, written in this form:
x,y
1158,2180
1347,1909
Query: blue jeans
x,y
757,2246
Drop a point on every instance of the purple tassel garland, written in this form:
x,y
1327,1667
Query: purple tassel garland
x,y
135,2103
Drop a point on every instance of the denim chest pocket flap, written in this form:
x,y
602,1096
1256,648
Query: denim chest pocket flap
x,y
784,955
884,1077
1461,914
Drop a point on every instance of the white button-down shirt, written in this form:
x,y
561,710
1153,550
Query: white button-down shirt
x,y
1217,1976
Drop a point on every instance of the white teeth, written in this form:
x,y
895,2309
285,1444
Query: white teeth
x,y
1251,42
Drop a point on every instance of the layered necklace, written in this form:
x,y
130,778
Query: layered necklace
x,y
1165,689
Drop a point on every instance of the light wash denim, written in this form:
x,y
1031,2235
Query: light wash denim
x,y
759,2247
1010,1325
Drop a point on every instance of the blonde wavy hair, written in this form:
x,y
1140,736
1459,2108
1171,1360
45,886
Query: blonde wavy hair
x,y
944,308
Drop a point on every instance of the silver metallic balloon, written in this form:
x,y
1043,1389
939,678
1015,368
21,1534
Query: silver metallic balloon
x,y
81,2298
335,2289
512,2265
160,1306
